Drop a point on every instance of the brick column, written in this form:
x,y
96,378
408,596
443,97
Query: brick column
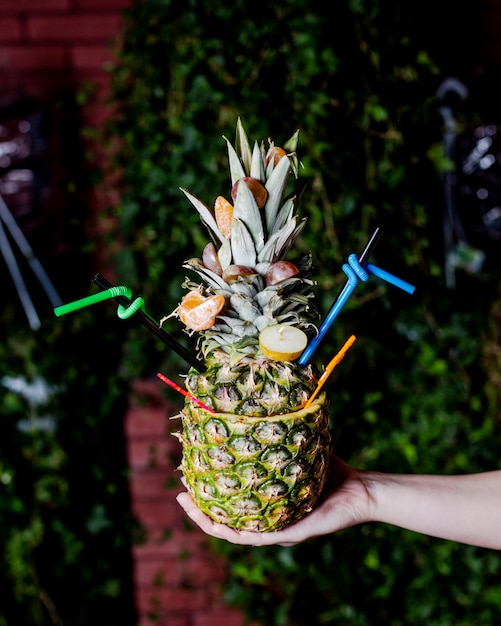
x,y
177,579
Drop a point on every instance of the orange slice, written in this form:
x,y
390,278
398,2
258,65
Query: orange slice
x,y
282,342
274,154
223,212
198,312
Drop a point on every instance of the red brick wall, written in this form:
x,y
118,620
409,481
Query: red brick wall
x,y
178,580
54,45
52,51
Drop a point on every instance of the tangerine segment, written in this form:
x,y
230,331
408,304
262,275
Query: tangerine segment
x,y
282,342
274,154
199,312
223,212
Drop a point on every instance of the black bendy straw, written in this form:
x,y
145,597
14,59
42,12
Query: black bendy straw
x,y
152,326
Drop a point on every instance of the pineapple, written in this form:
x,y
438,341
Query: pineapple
x,y
257,460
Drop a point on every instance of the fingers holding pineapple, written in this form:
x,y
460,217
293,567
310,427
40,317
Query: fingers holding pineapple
x,y
345,502
287,537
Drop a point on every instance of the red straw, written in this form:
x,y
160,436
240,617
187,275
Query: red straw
x,y
183,392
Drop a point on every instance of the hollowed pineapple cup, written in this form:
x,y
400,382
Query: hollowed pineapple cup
x,y
256,473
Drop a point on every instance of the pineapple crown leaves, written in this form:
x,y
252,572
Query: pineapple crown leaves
x,y
249,229
255,162
262,231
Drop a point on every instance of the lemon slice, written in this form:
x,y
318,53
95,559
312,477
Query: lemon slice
x,y
282,342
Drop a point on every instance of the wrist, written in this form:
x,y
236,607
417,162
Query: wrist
x,y
373,483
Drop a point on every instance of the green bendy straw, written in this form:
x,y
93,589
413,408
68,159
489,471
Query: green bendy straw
x,y
112,292
128,308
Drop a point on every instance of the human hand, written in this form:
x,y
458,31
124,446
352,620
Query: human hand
x,y
345,502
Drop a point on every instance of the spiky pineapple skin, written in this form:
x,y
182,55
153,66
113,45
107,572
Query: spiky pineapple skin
x,y
258,473
255,386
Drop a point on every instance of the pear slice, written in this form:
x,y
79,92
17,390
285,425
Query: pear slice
x,y
282,342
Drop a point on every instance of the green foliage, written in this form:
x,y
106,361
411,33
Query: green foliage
x,y
64,510
416,393
65,522
185,75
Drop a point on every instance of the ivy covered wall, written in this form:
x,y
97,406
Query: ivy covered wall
x,y
418,394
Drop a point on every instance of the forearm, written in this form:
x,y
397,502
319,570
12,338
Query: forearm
x,y
465,508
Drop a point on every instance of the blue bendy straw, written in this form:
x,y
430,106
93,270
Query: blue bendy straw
x,y
357,269
390,278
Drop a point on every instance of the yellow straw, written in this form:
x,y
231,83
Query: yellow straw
x,y
328,370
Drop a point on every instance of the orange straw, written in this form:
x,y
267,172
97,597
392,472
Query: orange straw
x,y
328,370
182,391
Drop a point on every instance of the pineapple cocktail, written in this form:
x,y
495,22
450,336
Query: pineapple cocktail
x,y
256,458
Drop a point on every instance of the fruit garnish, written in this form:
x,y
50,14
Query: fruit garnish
x,y
279,271
198,312
223,212
234,272
275,153
282,342
211,260
257,188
